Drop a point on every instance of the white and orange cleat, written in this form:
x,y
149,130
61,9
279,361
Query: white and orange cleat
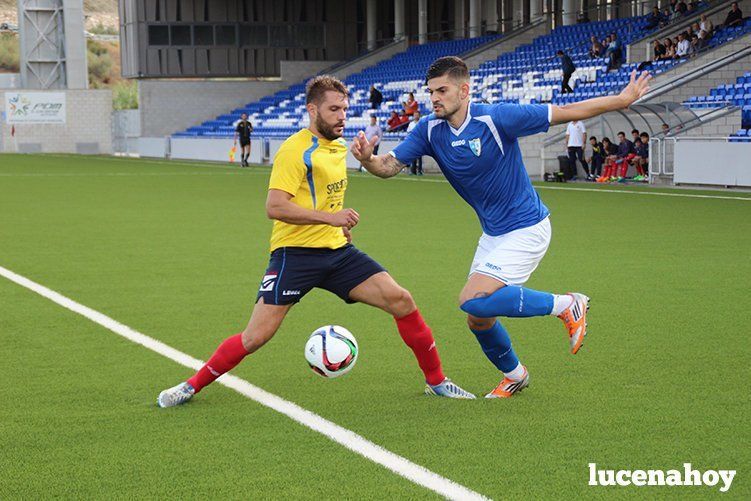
x,y
575,319
508,387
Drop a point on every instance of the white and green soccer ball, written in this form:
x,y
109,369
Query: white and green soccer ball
x,y
331,351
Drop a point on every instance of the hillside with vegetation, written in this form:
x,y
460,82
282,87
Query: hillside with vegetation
x,y
103,52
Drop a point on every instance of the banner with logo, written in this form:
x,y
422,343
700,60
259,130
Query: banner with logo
x,y
35,107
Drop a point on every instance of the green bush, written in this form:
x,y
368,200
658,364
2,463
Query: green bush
x,y
125,95
9,53
100,64
101,29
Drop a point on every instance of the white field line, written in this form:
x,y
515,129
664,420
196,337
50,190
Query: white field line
x,y
352,441
399,178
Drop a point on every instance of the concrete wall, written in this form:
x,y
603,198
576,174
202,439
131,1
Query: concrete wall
x,y
88,127
169,106
370,59
712,163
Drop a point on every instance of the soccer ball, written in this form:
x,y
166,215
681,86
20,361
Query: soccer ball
x,y
331,351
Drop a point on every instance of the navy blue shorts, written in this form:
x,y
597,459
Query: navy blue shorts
x,y
295,271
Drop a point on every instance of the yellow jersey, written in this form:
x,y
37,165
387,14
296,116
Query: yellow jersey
x,y
314,171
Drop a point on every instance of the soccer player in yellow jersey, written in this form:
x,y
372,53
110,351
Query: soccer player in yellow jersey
x,y
311,247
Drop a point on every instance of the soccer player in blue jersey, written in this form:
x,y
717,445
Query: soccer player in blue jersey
x,y
477,150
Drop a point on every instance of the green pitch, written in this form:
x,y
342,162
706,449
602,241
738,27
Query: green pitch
x,y
177,251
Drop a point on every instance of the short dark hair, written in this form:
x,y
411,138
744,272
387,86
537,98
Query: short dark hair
x,y
559,52
621,133
317,87
591,138
452,66
634,130
644,134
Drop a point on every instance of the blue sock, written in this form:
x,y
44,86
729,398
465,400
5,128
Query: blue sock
x,y
510,301
496,345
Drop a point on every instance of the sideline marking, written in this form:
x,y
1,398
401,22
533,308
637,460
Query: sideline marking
x,y
349,439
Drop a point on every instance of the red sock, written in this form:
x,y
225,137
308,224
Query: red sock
x,y
417,335
225,358
624,169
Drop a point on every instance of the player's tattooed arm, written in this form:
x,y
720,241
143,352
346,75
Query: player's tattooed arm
x,y
384,166
378,165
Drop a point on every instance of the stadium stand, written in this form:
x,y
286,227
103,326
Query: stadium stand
x,y
529,74
283,113
733,94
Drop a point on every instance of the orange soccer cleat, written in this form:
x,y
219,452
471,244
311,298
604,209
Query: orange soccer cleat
x,y
508,387
575,319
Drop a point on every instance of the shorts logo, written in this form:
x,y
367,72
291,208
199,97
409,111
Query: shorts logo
x,y
268,282
476,146
290,293
492,266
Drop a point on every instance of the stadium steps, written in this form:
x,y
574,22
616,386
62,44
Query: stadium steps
x,y
641,49
508,43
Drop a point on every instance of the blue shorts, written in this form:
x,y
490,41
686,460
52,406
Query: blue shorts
x,y
295,271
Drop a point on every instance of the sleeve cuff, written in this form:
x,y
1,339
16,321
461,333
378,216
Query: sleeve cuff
x,y
550,113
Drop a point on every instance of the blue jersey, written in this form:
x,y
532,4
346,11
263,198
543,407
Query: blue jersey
x,y
483,162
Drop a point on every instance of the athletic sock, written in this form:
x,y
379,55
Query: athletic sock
x,y
516,374
560,303
496,344
225,358
510,301
417,335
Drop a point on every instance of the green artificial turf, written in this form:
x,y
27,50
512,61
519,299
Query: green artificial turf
x,y
177,250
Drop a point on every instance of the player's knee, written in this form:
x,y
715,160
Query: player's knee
x,y
477,307
479,324
253,340
400,302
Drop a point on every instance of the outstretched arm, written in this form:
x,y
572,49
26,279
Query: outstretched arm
x,y
599,105
378,165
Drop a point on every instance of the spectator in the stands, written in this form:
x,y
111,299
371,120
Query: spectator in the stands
x,y
393,121
682,8
376,98
415,169
595,49
605,42
691,9
673,5
410,105
597,158
706,25
735,16
397,123
689,31
615,52
665,18
703,40
694,45
681,49
658,50
567,65
665,130
696,28
669,49
653,20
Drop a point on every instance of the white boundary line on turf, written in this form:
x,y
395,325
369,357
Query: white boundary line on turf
x,y
349,439
219,166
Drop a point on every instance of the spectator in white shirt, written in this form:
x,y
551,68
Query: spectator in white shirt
x,y
681,49
576,136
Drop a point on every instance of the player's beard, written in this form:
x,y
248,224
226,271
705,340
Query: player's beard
x,y
327,130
